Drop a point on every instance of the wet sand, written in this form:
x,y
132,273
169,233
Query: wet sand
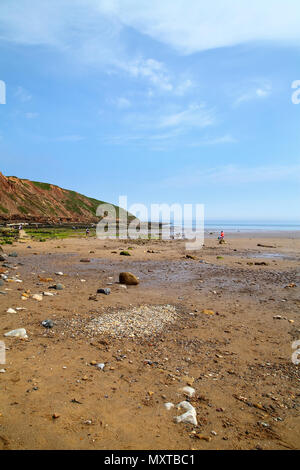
x,y
238,359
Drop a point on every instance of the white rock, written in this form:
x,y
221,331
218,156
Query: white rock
x,y
18,333
48,294
11,310
169,406
189,391
185,405
37,297
189,416
2,371
59,273
100,366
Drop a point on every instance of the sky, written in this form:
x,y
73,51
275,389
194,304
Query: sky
x,y
174,101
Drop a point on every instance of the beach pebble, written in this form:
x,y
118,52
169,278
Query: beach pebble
x,y
18,333
37,297
128,278
48,294
189,391
105,291
59,273
208,312
48,323
11,310
13,254
100,366
169,406
59,286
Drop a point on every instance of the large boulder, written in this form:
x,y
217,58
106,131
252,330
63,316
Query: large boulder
x,y
128,279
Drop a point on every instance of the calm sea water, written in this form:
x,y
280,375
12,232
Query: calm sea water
x,y
244,226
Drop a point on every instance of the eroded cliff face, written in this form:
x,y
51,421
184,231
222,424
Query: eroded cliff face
x,y
26,200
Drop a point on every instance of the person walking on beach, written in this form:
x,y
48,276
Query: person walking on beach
x,y
87,232
221,237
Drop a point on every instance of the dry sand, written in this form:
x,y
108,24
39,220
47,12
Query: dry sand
x,y
155,340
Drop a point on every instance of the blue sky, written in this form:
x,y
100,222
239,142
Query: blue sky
x,y
165,102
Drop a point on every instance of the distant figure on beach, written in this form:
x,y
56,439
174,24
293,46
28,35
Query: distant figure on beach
x,y
20,227
87,232
221,237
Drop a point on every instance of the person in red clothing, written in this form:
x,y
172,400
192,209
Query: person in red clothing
x,y
221,237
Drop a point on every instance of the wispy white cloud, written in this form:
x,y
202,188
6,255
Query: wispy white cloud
x,y
234,175
69,138
92,31
224,139
31,115
23,95
87,31
196,115
196,26
168,127
152,70
254,92
122,103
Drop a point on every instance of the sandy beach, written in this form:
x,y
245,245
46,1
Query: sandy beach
x,y
221,320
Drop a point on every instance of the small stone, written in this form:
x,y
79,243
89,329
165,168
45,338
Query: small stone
x,y
105,291
208,312
125,253
18,333
11,310
203,438
48,323
188,391
169,406
128,278
55,416
59,286
100,366
37,297
264,425
13,254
